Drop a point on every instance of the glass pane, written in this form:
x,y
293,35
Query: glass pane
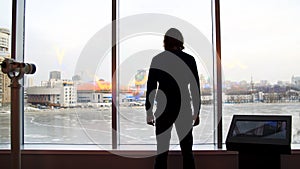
x,y
5,52
142,28
67,101
260,55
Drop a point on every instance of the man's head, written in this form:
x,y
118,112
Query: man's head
x,y
173,40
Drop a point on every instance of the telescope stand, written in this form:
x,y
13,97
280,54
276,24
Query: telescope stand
x,y
16,120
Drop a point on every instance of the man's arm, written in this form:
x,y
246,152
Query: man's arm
x,y
150,93
195,91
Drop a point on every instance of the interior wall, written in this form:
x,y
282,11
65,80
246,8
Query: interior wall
x,y
105,160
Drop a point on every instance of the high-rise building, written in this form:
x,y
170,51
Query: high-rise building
x,y
4,40
76,78
4,53
296,81
56,75
30,82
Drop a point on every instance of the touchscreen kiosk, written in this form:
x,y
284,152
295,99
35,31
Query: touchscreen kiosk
x,y
252,132
260,140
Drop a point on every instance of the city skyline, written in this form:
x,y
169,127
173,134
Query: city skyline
x,y
205,82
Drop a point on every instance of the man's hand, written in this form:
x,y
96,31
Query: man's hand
x,y
196,119
150,120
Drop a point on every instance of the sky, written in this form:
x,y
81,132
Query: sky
x,y
259,40
5,19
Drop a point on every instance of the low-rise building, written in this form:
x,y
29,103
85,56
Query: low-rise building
x,y
63,93
93,93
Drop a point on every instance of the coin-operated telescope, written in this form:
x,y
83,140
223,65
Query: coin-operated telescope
x,y
17,69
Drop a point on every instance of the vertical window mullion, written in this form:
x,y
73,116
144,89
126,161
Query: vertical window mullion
x,y
114,77
219,73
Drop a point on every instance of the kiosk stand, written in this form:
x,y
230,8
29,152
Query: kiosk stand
x,y
260,140
259,161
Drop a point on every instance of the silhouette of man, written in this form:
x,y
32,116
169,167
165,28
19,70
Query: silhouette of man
x,y
173,91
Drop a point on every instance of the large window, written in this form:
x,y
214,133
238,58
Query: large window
x,y
68,100
142,26
5,52
260,56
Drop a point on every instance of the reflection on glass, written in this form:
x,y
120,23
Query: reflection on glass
x,y
261,129
5,52
259,59
62,105
137,50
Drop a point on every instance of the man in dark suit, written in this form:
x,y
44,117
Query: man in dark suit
x,y
173,91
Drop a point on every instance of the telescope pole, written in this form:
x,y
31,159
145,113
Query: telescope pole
x,y
16,122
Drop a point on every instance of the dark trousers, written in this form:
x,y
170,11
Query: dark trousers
x,y
163,136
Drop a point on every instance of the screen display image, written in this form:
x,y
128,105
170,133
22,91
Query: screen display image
x,y
260,129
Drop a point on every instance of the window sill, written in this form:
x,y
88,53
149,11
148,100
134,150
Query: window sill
x,y
149,147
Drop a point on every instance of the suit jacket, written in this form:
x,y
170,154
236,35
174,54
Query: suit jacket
x,y
173,82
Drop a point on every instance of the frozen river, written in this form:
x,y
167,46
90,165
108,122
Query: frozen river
x,y
93,126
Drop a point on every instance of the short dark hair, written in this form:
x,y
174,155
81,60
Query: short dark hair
x,y
173,38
